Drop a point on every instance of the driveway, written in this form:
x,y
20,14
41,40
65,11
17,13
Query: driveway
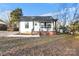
x,y
5,33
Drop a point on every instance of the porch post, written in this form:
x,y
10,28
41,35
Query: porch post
x,y
52,26
33,28
55,27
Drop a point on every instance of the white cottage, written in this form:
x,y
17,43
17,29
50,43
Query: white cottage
x,y
37,25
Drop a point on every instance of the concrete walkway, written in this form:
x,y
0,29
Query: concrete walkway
x,y
14,34
23,35
5,33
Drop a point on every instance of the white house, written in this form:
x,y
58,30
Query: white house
x,y
37,25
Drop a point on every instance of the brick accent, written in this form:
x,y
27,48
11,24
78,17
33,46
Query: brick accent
x,y
48,33
51,33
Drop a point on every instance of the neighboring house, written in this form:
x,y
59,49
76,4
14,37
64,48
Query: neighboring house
x,y
3,25
37,25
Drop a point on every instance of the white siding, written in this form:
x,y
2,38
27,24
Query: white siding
x,y
22,28
37,26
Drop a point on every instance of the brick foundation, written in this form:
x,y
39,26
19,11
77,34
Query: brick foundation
x,y
50,33
43,33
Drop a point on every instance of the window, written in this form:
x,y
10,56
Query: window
x,y
45,25
26,25
48,25
42,25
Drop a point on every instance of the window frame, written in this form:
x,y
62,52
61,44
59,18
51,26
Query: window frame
x,y
27,25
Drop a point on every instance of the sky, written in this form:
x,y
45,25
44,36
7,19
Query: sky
x,y
33,9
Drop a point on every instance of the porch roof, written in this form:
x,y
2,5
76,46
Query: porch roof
x,y
38,18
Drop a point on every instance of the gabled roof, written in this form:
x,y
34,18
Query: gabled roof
x,y
37,18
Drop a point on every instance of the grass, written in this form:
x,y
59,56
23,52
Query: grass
x,y
44,45
8,43
77,36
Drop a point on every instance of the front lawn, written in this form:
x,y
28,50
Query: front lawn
x,y
55,45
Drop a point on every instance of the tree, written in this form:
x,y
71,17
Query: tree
x,y
15,16
74,24
67,16
74,27
63,17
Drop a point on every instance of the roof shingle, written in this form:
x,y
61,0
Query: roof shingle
x,y
37,18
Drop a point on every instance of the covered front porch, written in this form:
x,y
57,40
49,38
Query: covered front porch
x,y
47,28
